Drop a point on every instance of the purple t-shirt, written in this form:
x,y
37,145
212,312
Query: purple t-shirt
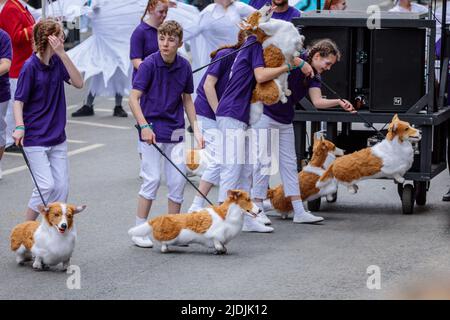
x,y
290,13
258,4
143,42
162,86
284,112
221,70
41,89
235,102
5,53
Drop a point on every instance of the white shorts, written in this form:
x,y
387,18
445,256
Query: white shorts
x,y
213,146
151,170
50,167
10,122
3,109
282,156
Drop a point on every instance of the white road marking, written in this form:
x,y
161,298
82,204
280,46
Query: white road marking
x,y
73,106
94,124
76,141
70,153
108,110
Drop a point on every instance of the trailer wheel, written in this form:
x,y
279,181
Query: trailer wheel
x,y
331,198
400,190
408,197
314,205
421,188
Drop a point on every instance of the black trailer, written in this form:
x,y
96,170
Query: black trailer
x,y
388,69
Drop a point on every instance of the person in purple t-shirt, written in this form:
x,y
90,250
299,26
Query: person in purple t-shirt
x,y
144,39
233,113
40,113
279,117
5,94
283,11
162,89
209,92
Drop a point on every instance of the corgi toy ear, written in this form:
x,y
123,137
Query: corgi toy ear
x,y
43,209
395,118
234,194
77,209
394,125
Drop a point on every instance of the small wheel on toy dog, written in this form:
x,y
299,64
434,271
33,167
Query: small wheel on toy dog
x,y
400,190
408,199
331,198
314,205
421,188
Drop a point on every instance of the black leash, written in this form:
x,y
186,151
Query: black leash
x,y
32,175
181,172
225,56
357,113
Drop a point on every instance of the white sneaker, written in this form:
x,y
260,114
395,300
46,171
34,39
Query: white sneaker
x,y
252,225
143,242
267,205
262,218
194,208
306,217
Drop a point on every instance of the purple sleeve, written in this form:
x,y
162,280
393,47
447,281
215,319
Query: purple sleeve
x,y
143,77
24,84
189,87
64,72
215,69
5,47
137,45
314,83
257,56
296,13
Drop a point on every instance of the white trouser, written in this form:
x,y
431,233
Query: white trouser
x,y
10,122
50,167
283,154
3,109
213,146
236,166
151,170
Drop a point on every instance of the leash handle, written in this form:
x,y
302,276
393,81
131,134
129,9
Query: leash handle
x,y
178,169
357,113
27,162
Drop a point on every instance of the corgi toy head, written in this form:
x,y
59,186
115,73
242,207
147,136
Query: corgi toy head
x,y
192,159
262,15
242,199
402,130
60,215
323,145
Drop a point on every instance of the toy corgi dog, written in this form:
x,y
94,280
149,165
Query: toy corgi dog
x,y
211,227
390,158
324,153
49,242
281,41
197,161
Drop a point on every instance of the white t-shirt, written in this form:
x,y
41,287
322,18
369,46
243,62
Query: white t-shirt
x,y
415,8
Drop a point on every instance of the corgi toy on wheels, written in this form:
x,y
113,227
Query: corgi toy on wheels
x,y
390,158
212,227
324,153
50,242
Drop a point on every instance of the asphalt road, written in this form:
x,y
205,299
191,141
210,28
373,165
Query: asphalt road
x,y
295,262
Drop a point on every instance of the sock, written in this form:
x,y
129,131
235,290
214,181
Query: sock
x,y
90,99
260,205
140,221
118,100
298,207
199,202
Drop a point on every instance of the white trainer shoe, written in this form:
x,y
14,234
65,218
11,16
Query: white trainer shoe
x,y
306,217
142,242
262,218
194,208
252,225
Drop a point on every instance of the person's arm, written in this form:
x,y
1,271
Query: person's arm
x,y
210,91
19,132
192,117
263,74
75,76
320,103
136,62
5,65
147,133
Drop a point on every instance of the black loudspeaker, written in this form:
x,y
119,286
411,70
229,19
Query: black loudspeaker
x,y
340,76
397,63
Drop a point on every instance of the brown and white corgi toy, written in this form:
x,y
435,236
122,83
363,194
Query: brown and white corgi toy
x,y
211,227
281,41
197,161
49,242
324,153
390,158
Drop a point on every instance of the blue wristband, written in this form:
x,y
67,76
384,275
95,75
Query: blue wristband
x,y
301,64
289,68
147,125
